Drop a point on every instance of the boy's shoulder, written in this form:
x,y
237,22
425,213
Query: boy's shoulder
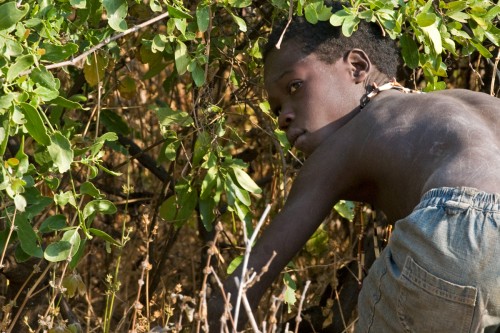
x,y
394,106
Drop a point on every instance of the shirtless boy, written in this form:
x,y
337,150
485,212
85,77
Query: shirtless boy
x,y
430,162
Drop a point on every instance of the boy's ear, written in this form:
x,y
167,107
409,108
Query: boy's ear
x,y
359,63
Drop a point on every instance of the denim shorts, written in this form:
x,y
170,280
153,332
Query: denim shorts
x,y
441,269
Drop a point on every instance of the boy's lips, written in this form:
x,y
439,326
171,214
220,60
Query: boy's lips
x,y
294,134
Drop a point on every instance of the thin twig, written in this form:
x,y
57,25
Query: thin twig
x,y
290,16
277,301
337,297
137,304
11,231
248,249
495,66
226,297
106,41
202,309
298,319
28,295
250,315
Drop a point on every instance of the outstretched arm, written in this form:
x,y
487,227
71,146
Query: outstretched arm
x,y
318,186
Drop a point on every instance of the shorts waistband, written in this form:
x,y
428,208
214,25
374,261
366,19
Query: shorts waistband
x,y
465,197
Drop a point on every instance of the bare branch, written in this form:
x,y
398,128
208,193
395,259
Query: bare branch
x,y
106,41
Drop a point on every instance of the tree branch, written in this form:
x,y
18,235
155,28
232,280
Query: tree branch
x,y
106,41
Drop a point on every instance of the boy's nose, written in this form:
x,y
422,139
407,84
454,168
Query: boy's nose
x,y
285,119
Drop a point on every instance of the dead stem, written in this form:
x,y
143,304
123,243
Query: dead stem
x,y
298,319
28,295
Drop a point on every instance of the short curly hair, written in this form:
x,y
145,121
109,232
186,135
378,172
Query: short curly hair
x,y
329,44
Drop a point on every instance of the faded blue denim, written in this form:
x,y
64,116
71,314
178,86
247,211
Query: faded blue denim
x,y
441,270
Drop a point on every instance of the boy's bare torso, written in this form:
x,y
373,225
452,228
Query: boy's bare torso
x,y
401,145
389,154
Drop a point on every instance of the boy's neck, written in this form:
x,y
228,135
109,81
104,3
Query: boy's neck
x,y
376,89
376,78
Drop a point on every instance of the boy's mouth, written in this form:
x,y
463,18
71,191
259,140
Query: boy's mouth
x,y
294,136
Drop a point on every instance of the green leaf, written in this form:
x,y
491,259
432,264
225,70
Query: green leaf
x,y
242,25
493,34
159,42
310,14
483,50
291,287
81,4
90,189
182,57
104,236
435,37
79,254
6,101
46,94
12,48
366,15
99,142
34,124
22,64
198,74
179,207
94,68
207,208
66,103
27,236
64,249
63,198
168,116
20,255
244,180
345,209
20,202
209,182
170,147
44,78
53,223
242,196
337,19
201,147
492,12
98,206
318,243
10,14
109,172
426,19
57,53
117,11
203,17
178,13
459,16
234,264
168,209
187,205
60,151
409,51
350,25
36,202
240,3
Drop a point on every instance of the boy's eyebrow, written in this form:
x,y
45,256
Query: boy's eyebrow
x,y
279,77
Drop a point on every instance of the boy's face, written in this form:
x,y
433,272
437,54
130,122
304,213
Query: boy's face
x,y
312,98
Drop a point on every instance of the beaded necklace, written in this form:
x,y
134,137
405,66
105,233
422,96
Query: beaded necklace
x,y
386,86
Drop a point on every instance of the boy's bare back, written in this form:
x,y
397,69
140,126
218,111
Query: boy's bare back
x,y
401,145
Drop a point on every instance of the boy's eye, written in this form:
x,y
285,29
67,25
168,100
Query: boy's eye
x,y
294,86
